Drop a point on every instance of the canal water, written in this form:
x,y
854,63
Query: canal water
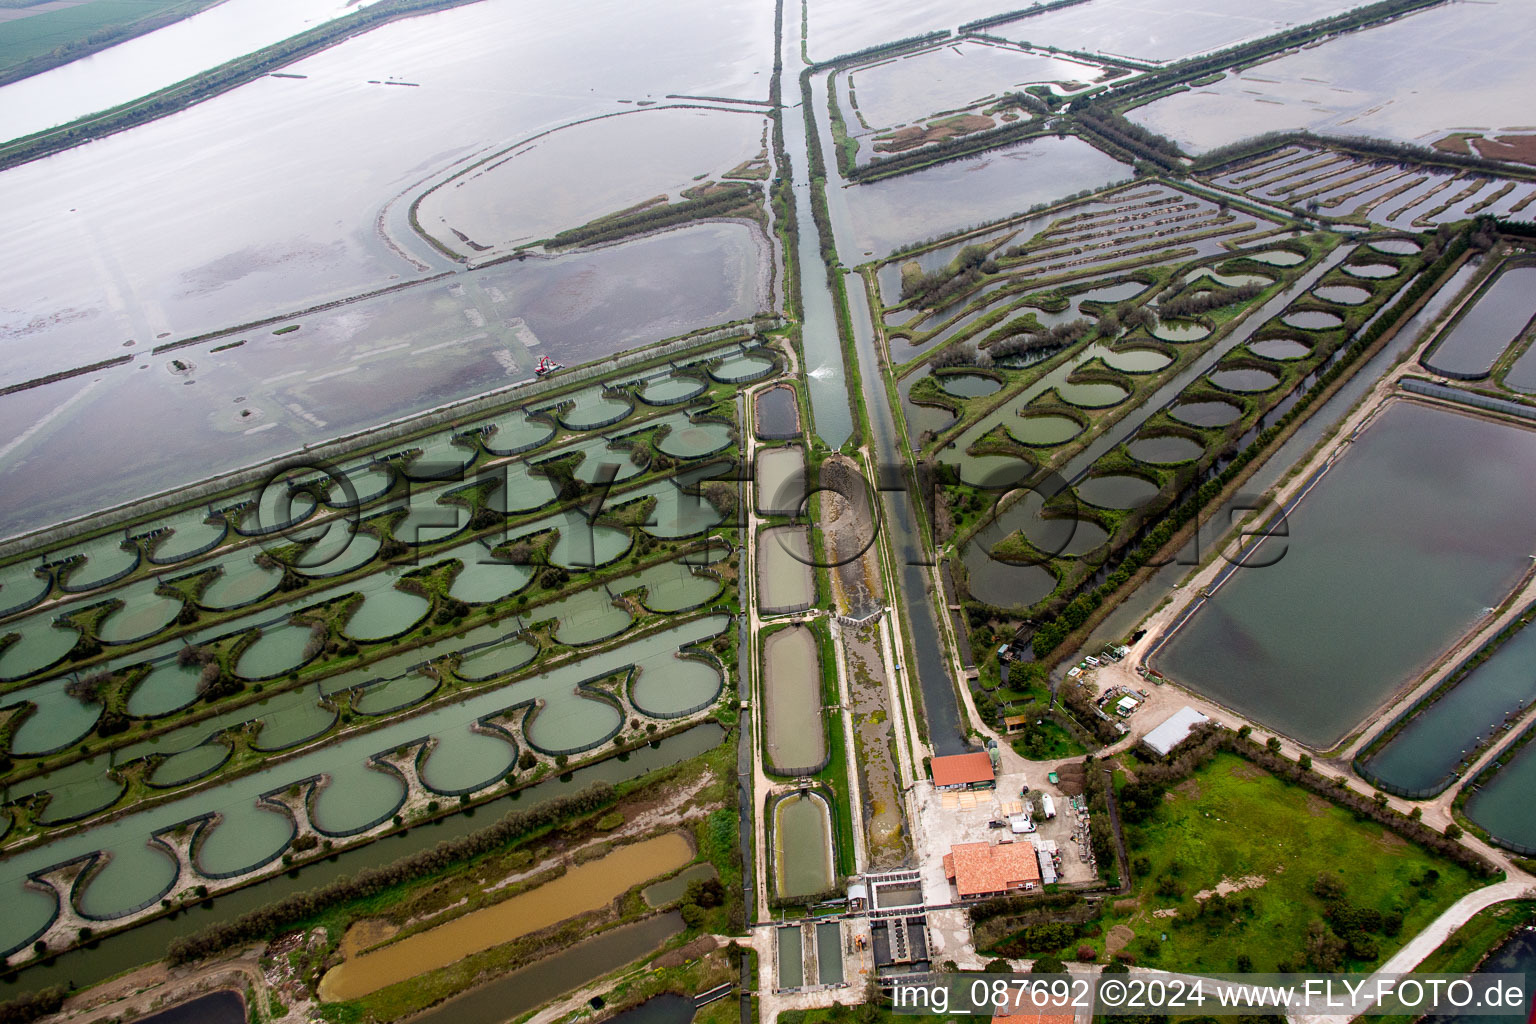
x,y
514,994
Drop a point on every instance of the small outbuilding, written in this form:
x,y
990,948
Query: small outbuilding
x,y
964,771
1173,730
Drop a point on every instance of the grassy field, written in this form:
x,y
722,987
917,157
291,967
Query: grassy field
x,y
75,31
1316,889
1233,821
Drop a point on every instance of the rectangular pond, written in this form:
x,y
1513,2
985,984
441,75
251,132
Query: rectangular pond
x,y
1429,748
1498,315
784,579
1417,531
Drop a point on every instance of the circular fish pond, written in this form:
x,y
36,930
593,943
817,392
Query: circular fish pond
x,y
592,410
1275,257
695,440
143,614
357,797
190,764
104,559
969,385
1044,430
739,369
484,577
490,662
1396,246
1246,379
21,587
136,873
1312,320
1179,330
277,508
1092,395
386,611
441,458
337,551
360,485
671,390
514,432
1165,450
1371,271
279,650
246,837
1118,490
168,687
1206,414
395,694
1342,294
190,533
39,645
240,582
669,686
1137,360
1280,348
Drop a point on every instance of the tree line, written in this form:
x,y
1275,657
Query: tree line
x,y
607,229
1205,301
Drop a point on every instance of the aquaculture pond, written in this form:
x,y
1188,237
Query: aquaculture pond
x,y
1043,429
969,385
795,738
1371,271
1137,360
784,579
38,643
1427,750
1244,379
829,952
1503,804
1175,330
1280,348
1343,294
935,200
778,416
238,581
1312,320
790,947
1165,449
1213,413
1118,491
115,954
1281,641
1499,315
779,480
802,845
